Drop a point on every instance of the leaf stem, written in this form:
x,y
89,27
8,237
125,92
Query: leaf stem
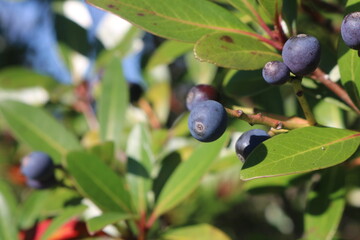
x,y
260,118
321,77
299,92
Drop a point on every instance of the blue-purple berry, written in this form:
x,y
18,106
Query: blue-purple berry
x,y
350,30
248,141
276,73
37,166
301,54
207,121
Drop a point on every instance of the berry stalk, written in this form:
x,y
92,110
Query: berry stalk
x,y
259,118
299,92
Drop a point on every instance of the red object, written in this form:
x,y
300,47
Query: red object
x,y
72,230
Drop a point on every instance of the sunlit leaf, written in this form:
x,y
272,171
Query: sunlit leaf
x,y
184,20
300,150
198,232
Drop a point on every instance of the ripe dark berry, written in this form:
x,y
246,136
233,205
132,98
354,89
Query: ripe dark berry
x,y
207,121
350,30
275,73
301,54
200,93
248,141
37,166
41,184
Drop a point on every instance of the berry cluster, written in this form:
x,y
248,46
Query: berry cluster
x,y
39,170
301,56
208,118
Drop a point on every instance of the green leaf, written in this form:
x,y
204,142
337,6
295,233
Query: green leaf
x,y
97,223
188,174
121,49
20,77
139,166
300,150
231,50
168,166
40,131
8,229
244,83
325,205
64,217
349,66
198,232
168,52
32,207
113,102
73,35
245,6
184,20
271,7
98,182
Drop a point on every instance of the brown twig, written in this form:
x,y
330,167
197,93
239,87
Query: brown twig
x,y
154,121
259,118
321,77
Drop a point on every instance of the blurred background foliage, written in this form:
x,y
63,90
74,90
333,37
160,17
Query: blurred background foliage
x,y
61,56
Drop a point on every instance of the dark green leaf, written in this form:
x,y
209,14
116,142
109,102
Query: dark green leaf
x,y
185,20
60,220
8,229
231,50
36,128
139,166
198,232
187,175
325,205
300,150
98,223
113,102
98,182
244,83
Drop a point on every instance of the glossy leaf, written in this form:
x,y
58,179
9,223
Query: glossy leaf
x,y
98,182
20,77
168,52
113,102
8,229
348,61
244,83
99,222
60,220
198,232
325,205
36,128
187,175
32,207
185,20
300,150
230,50
139,166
